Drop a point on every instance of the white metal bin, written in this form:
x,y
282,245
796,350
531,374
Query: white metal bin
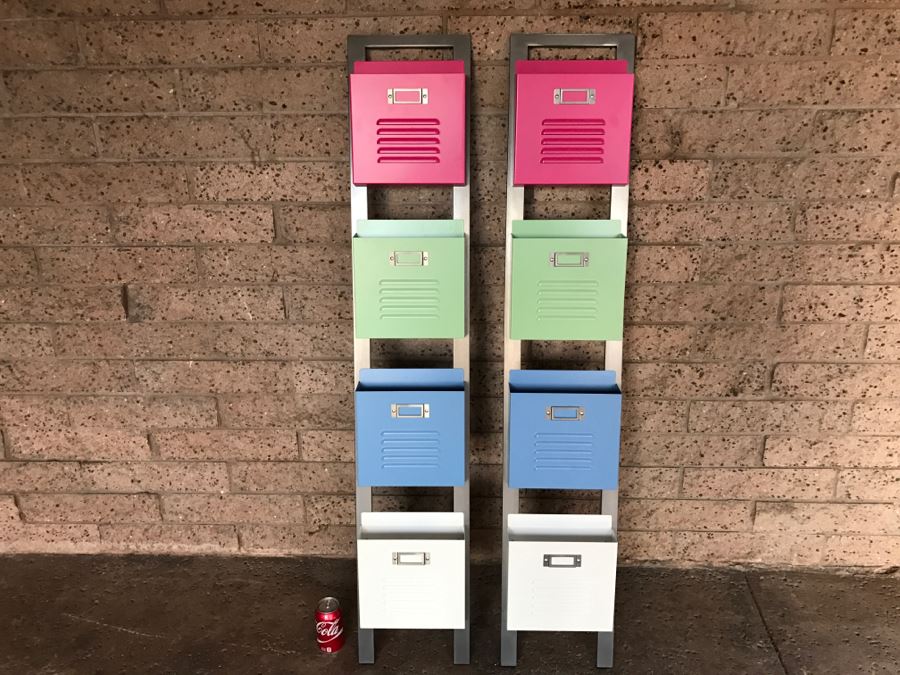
x,y
412,570
562,572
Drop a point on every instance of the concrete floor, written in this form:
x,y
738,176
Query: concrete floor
x,y
104,614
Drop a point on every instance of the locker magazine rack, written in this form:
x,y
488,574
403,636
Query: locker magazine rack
x,y
409,125
569,124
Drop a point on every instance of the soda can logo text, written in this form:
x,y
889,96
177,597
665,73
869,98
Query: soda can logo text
x,y
329,629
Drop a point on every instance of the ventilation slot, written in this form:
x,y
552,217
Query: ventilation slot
x,y
414,140
572,141
562,452
568,300
410,449
409,299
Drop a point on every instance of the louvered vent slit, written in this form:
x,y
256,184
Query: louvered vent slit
x,y
410,449
572,141
568,300
563,451
413,140
409,299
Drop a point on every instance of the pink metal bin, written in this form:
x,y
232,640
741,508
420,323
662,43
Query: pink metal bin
x,y
408,122
573,122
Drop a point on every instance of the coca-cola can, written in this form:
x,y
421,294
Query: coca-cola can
x,y
329,625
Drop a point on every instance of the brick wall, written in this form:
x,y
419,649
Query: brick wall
x,y
175,335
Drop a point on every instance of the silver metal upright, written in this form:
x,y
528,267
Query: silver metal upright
x,y
519,44
461,45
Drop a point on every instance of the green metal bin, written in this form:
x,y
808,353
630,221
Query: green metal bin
x,y
409,279
568,280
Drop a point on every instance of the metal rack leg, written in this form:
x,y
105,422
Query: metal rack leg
x,y
462,359
508,647
359,208
461,636
366,638
508,638
512,355
605,644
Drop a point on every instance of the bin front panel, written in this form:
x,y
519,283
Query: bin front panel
x,y
408,126
564,441
409,437
568,288
572,128
577,577
411,583
409,287
564,429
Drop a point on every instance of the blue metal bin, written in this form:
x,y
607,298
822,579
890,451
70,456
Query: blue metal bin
x,y
564,429
410,427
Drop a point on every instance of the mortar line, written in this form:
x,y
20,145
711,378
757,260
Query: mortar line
x,y
732,60
484,111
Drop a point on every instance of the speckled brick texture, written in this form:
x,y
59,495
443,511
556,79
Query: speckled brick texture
x,y
175,301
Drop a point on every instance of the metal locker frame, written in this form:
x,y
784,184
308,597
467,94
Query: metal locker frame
x,y
357,46
519,44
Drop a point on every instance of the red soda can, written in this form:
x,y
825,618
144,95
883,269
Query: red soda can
x,y
329,625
